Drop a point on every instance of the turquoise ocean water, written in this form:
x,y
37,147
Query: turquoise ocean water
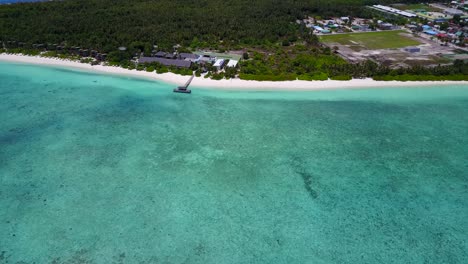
x,y
103,169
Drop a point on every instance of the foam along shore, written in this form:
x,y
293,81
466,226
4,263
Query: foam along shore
x,y
222,84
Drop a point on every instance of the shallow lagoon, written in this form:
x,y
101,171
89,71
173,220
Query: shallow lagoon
x,y
103,169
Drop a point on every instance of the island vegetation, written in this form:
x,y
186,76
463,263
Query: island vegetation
x,y
268,33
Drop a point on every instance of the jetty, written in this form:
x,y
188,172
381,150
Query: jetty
x,y
184,88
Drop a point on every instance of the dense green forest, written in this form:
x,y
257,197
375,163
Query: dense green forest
x,y
106,24
279,48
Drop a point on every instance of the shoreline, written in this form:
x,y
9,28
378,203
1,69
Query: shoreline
x,y
231,84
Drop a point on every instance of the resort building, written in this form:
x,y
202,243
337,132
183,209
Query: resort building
x,y
219,64
169,56
189,57
160,54
232,63
206,59
166,62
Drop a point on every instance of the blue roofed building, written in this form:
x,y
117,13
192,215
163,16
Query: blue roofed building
x,y
426,27
430,32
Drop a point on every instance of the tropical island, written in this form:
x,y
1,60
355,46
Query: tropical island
x,y
101,162
261,41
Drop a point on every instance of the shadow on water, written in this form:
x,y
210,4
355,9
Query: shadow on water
x,y
84,256
310,182
29,132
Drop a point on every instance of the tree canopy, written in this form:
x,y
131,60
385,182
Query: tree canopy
x,y
106,24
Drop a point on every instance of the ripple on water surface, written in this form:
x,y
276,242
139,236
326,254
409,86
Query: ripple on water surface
x,y
102,169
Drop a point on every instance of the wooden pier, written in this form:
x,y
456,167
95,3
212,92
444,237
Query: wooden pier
x,y
184,88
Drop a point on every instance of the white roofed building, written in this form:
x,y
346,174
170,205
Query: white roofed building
x,y
232,63
219,63
394,11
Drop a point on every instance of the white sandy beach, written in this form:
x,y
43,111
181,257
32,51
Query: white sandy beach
x,y
223,84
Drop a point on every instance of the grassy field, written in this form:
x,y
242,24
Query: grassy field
x,y
371,40
417,6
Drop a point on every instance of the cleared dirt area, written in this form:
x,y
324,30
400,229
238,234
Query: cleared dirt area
x,y
389,48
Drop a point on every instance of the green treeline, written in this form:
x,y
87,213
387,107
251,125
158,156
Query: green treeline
x,y
320,64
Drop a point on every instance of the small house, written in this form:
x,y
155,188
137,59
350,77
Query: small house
x,y
318,28
160,54
84,53
430,32
166,62
385,26
426,27
412,49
